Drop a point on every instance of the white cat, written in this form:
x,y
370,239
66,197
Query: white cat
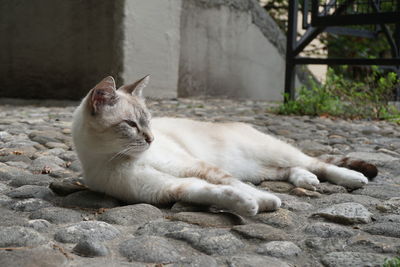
x,y
126,155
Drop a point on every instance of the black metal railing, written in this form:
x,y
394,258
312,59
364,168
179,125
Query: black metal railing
x,y
330,16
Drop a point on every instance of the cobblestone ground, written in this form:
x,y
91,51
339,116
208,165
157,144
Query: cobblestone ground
x,y
48,218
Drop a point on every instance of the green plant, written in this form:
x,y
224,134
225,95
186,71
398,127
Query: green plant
x,y
346,98
393,262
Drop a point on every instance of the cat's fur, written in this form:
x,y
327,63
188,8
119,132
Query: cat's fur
x,y
128,156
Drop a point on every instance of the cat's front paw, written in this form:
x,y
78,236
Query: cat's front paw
x,y
247,207
303,178
268,202
239,202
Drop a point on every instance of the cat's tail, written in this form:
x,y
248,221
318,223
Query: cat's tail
x,y
369,170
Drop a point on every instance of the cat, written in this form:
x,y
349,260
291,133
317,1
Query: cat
x,y
126,154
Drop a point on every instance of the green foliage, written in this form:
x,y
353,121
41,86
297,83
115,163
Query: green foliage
x,y
346,98
394,262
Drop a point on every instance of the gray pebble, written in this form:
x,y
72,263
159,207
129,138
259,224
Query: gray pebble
x,y
39,225
29,204
255,260
335,259
31,191
391,229
57,215
260,231
96,230
90,248
328,230
18,236
279,249
210,241
10,218
346,213
42,256
152,249
131,214
32,179
89,199
64,188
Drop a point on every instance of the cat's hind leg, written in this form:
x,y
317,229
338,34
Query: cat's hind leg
x,y
338,175
308,175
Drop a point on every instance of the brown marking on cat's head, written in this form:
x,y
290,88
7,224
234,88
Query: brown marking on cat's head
x,y
118,119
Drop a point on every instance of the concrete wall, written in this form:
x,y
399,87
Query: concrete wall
x,y
60,49
152,44
57,48
223,53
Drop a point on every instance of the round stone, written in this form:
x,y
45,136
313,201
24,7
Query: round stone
x,y
277,186
31,191
47,164
328,230
335,259
208,219
29,204
281,218
65,188
89,199
131,214
391,205
96,230
346,213
42,256
279,249
90,248
32,179
391,229
164,228
18,236
210,241
255,260
260,231
151,249
39,225
57,215
10,218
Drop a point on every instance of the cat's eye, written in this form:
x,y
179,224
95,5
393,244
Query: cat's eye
x,y
131,123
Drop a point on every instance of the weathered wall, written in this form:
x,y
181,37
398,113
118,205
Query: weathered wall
x,y
60,49
225,51
57,48
152,44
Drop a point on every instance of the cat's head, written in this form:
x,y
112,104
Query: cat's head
x,y
117,119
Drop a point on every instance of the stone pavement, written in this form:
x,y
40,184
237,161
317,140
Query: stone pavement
x,y
48,217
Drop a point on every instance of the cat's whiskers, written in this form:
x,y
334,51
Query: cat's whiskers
x,y
120,154
131,147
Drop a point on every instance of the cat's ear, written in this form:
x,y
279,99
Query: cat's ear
x,y
136,88
103,94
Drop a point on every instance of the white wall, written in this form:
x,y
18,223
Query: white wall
x,y
223,53
152,44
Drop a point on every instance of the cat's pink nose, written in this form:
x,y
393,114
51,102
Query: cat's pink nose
x,y
149,138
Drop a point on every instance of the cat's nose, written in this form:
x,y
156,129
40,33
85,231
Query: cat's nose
x,y
149,138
